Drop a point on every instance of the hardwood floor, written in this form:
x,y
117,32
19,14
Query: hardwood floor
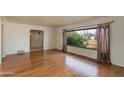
x,y
55,63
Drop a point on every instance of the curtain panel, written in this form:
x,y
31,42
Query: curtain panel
x,y
64,41
103,43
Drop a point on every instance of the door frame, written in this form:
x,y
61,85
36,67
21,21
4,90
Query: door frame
x,y
42,48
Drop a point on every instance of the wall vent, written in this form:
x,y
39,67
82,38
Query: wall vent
x,y
20,52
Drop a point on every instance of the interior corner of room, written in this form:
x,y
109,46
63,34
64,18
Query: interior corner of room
x,y
116,37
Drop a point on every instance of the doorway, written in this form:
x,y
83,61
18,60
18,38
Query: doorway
x,y
36,40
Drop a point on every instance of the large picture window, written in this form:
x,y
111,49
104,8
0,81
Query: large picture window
x,y
82,38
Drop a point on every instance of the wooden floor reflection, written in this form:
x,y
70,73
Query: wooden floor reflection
x,y
54,63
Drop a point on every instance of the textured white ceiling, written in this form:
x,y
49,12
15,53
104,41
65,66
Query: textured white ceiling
x,y
51,21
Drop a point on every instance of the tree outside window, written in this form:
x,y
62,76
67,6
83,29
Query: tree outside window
x,y
82,38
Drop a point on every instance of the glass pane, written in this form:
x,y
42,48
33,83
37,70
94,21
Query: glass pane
x,y
82,38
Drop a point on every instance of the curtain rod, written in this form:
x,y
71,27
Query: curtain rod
x,y
89,26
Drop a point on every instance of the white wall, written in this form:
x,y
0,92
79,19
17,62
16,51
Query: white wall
x,y
82,51
16,37
117,39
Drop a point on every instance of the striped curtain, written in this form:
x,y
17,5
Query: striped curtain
x,y
103,43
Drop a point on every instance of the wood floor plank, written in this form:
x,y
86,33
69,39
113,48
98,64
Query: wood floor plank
x,y
54,63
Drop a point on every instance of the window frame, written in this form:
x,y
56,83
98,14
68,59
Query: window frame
x,y
74,30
